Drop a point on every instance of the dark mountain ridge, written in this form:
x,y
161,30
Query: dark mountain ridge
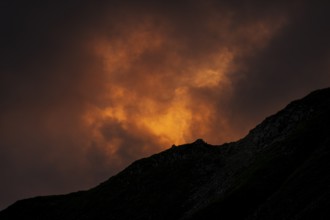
x,y
280,170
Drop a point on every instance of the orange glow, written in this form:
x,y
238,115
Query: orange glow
x,y
172,125
151,87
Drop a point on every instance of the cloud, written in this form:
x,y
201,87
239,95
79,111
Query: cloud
x,y
87,88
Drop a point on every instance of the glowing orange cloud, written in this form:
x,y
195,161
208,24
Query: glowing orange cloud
x,y
151,88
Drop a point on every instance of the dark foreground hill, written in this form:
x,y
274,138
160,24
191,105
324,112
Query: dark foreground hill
x,y
280,170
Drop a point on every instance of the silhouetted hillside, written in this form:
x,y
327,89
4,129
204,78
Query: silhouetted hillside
x,y
280,170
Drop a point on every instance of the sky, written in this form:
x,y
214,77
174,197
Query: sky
x,y
88,87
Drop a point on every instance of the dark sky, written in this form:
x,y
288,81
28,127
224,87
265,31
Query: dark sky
x,y
87,87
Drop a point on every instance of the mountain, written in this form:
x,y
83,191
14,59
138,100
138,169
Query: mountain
x,y
280,170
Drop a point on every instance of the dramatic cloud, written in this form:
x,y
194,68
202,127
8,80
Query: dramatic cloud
x,y
87,88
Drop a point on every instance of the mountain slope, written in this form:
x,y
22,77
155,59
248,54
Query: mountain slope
x,y
280,170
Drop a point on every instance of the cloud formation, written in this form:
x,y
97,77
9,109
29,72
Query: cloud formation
x,y
87,88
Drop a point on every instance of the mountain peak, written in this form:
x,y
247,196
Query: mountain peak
x,y
200,142
280,170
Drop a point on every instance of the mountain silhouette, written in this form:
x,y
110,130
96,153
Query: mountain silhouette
x,y
280,170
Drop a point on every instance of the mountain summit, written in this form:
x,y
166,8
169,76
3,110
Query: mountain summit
x,y
280,170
